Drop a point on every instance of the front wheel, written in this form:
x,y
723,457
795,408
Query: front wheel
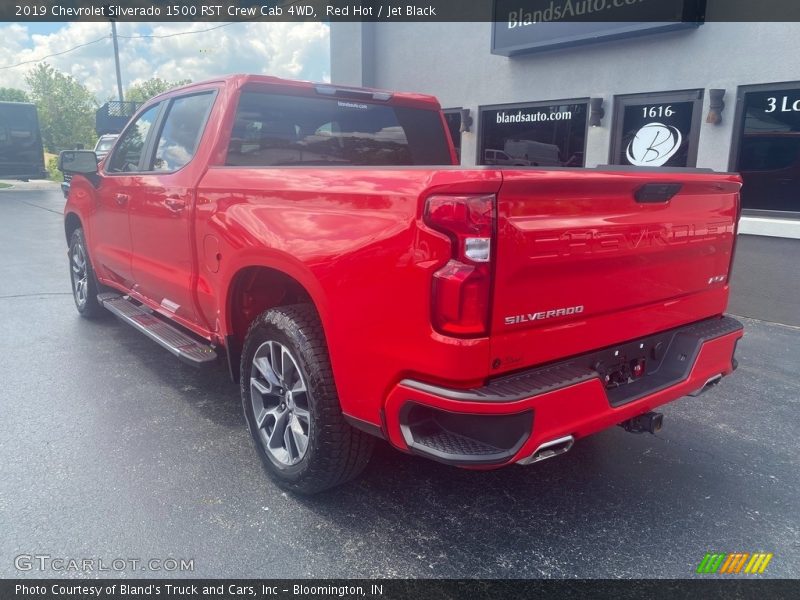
x,y
84,284
291,405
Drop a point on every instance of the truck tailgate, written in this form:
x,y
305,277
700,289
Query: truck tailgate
x,y
582,264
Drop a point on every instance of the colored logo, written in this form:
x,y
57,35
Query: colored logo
x,y
734,563
653,145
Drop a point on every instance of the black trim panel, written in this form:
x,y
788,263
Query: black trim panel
x,y
365,426
513,387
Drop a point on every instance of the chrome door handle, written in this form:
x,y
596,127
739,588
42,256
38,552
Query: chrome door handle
x,y
175,204
121,198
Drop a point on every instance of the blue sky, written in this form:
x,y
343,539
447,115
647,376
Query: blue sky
x,y
44,28
171,51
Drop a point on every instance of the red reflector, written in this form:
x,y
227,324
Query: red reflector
x,y
460,301
638,368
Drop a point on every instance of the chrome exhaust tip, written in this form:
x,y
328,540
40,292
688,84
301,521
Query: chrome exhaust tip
x,y
549,449
711,382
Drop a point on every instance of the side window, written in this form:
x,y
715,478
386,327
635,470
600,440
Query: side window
x,y
181,132
130,147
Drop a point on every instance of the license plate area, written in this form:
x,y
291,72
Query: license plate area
x,y
626,363
635,369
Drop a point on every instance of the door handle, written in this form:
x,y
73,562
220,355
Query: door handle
x,y
175,204
121,198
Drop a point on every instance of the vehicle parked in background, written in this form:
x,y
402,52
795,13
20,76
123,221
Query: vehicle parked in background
x,y
359,284
104,145
21,151
498,157
536,154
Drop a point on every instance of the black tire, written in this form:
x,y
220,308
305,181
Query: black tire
x,y
82,277
334,451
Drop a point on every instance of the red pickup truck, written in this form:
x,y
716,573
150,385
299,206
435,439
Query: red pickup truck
x,y
359,284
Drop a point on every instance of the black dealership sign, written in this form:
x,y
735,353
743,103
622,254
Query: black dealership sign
x,y
522,26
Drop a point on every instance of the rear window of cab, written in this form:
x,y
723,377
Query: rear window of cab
x,y
281,130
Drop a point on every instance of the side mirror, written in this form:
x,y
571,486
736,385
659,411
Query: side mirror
x,y
83,162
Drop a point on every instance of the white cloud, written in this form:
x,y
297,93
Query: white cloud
x,y
292,50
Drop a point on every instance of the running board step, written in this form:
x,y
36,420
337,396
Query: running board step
x,y
182,345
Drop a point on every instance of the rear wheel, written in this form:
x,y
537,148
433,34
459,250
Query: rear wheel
x,y
291,405
84,284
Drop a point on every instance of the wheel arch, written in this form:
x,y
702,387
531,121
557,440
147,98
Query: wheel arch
x,y
254,289
71,222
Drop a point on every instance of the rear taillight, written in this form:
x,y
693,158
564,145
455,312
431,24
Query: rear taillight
x,y
460,303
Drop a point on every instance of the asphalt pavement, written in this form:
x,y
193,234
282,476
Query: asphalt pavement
x,y
112,449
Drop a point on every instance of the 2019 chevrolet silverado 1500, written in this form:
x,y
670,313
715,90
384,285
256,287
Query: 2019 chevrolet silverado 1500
x,y
360,284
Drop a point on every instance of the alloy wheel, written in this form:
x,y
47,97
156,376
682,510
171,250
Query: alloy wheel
x,y
279,398
80,274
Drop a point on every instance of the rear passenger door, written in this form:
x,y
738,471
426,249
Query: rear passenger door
x,y
162,212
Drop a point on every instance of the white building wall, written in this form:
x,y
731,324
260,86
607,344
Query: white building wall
x,y
453,61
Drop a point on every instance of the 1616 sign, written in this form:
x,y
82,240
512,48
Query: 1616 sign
x,y
657,111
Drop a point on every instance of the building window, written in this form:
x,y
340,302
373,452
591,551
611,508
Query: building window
x,y
453,118
657,130
766,148
538,134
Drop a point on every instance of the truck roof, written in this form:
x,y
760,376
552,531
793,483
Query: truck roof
x,y
239,80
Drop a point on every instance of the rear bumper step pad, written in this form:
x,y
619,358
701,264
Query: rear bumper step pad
x,y
677,350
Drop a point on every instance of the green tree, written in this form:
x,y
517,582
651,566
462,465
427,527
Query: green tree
x,y
142,92
13,95
66,108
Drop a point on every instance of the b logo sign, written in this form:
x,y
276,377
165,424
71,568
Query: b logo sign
x,y
653,145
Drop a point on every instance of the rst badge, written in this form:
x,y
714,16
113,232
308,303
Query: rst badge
x,y
545,314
